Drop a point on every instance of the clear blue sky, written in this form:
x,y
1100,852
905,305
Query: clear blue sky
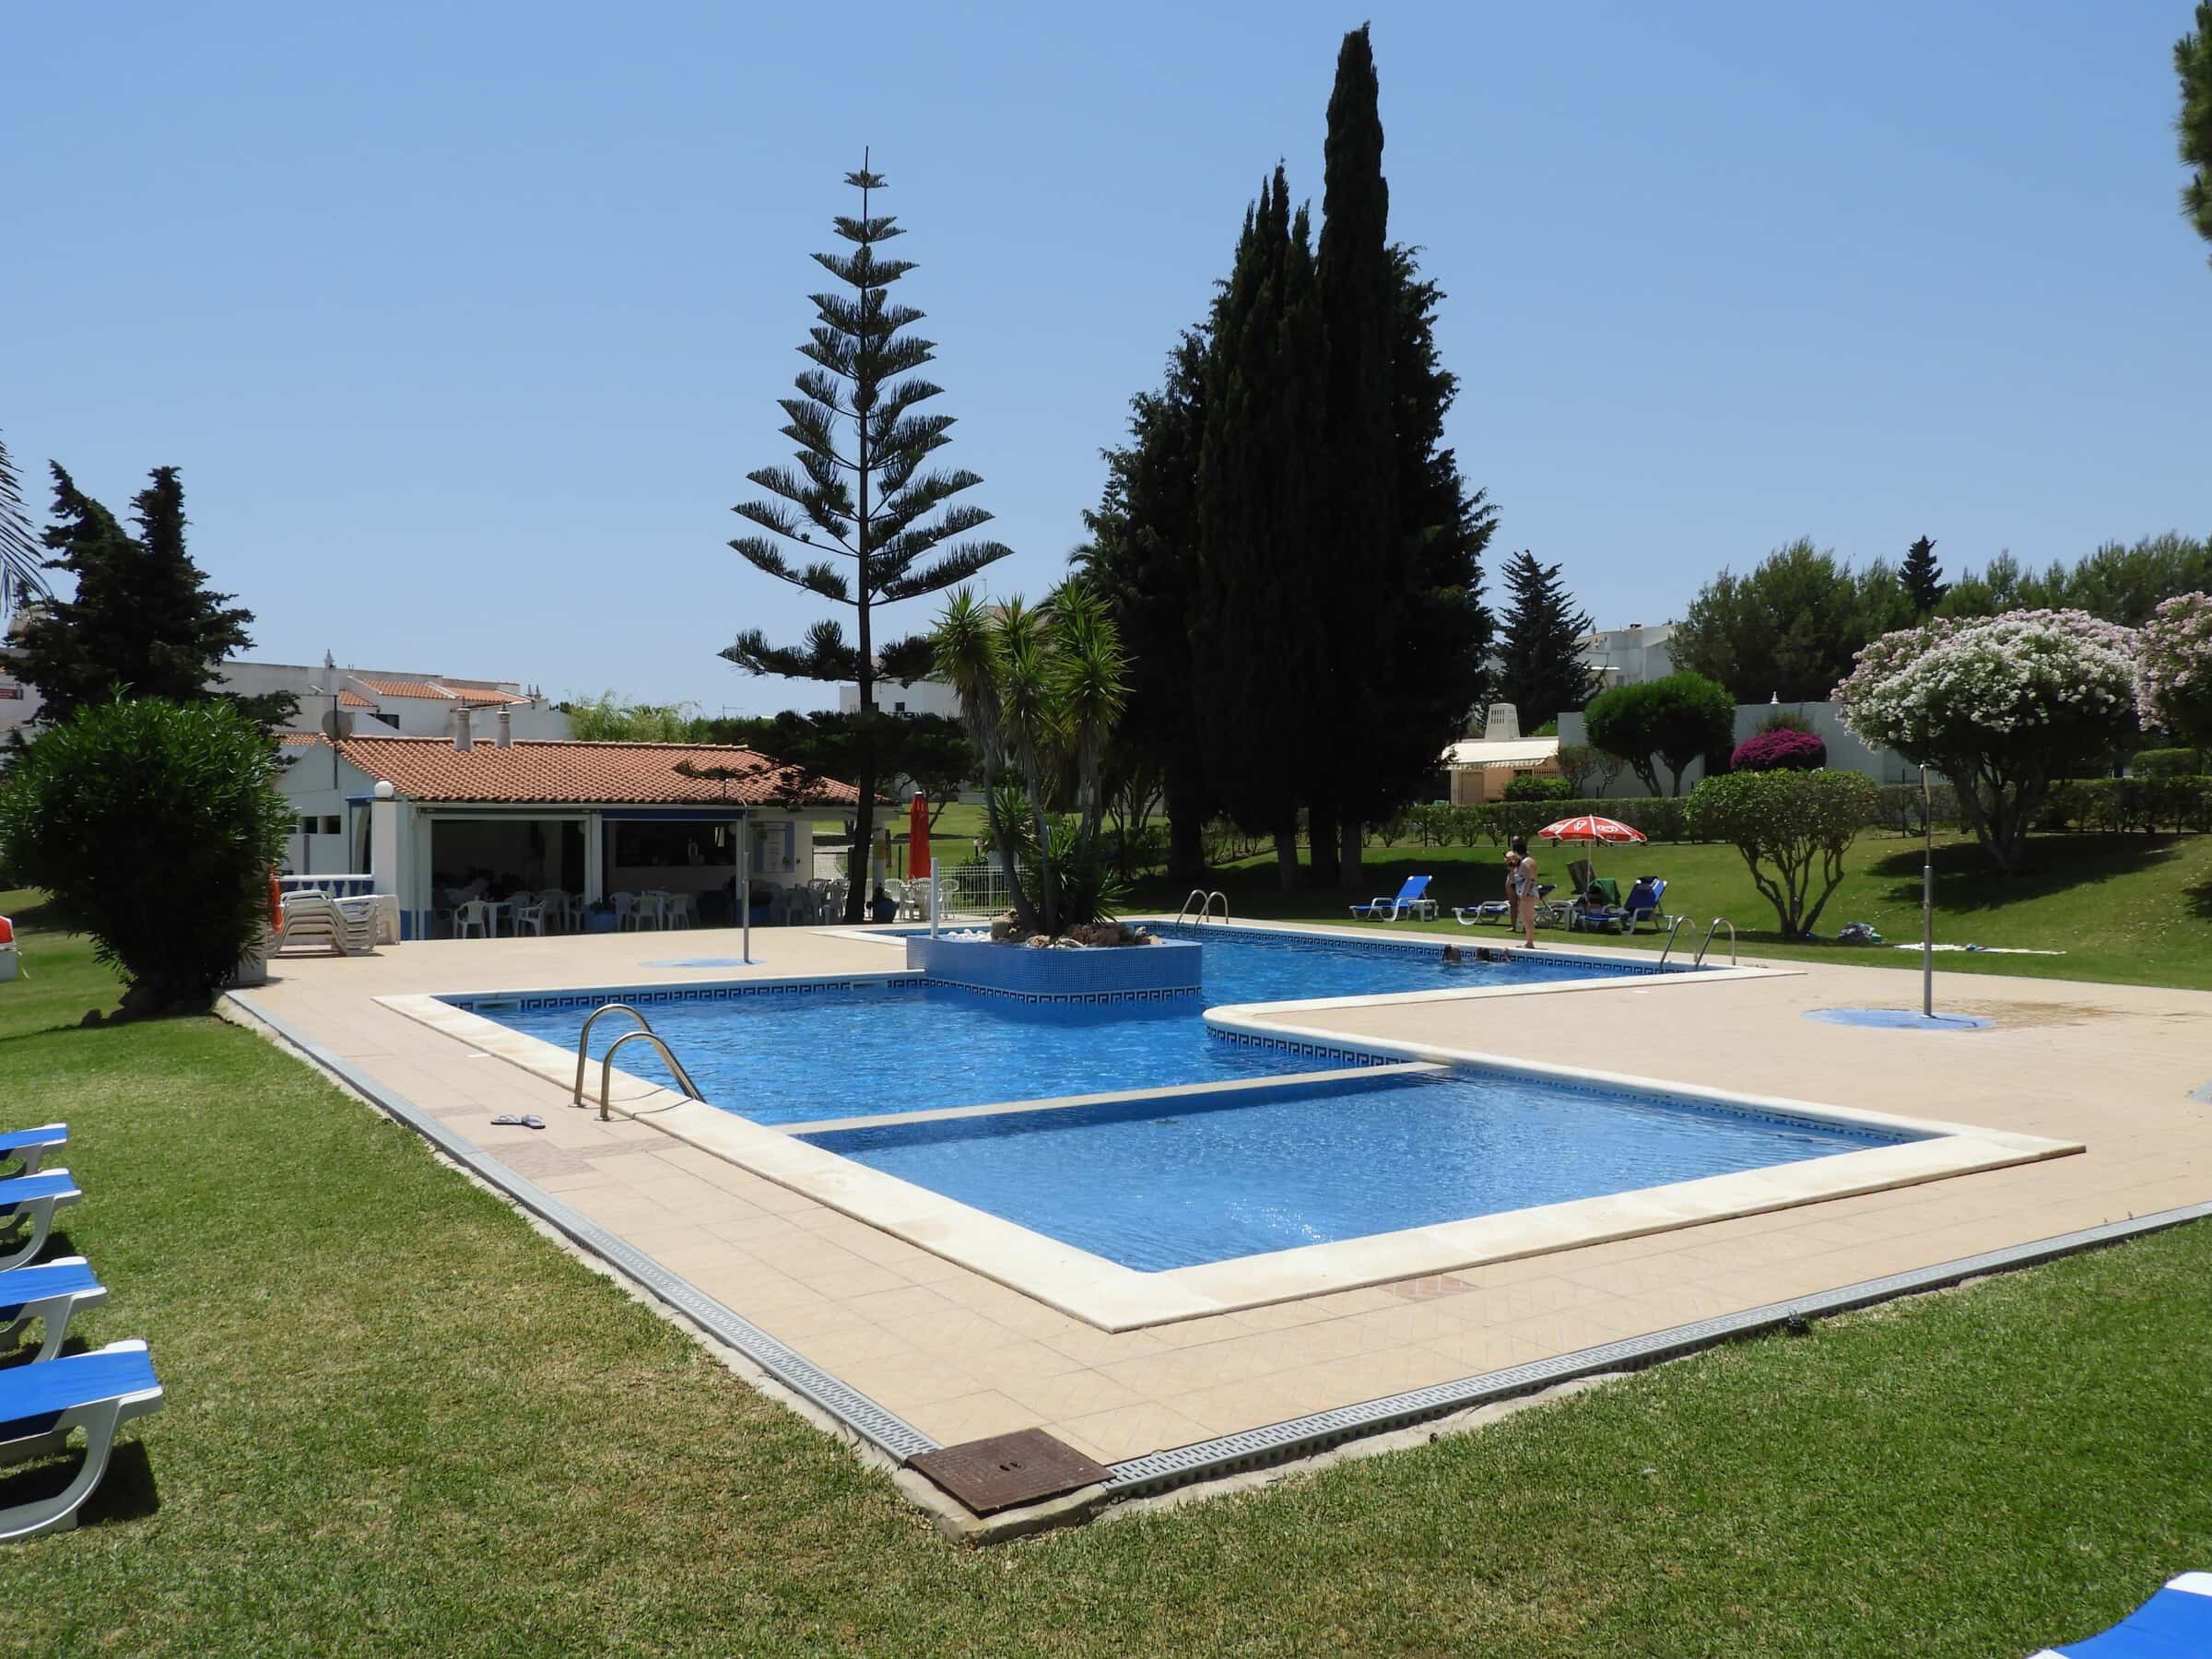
x,y
465,321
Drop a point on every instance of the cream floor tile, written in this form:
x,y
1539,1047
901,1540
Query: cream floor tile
x,y
1069,1394
1129,1431
974,1417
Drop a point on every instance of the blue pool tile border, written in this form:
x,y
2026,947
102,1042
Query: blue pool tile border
x,y
1610,967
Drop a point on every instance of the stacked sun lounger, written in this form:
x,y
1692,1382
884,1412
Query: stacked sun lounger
x,y
44,1399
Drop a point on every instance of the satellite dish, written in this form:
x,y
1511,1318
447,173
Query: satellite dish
x,y
337,723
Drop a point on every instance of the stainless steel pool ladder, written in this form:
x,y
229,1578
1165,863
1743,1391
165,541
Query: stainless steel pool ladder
x,y
607,1063
1672,928
1205,901
1717,922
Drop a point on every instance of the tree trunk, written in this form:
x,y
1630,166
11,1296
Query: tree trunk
x,y
1285,857
1186,846
1354,851
1002,842
1320,839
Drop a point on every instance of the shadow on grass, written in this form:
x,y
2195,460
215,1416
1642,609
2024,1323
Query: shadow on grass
x,y
127,1493
1966,881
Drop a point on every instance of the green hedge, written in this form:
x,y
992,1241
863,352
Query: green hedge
x,y
2144,804
1900,807
2169,763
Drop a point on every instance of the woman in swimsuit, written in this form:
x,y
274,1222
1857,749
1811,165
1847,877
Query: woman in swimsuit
x,y
1521,881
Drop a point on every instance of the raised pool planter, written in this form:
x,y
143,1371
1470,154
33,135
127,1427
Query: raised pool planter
x,y
1157,970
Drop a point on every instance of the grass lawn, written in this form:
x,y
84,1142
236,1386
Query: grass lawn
x,y
399,1421
2133,908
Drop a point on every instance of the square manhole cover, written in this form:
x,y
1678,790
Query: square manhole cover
x,y
1007,1470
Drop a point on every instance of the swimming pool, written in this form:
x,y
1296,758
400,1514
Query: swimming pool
x,y
908,1046
1155,1185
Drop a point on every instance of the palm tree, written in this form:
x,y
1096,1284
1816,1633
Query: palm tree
x,y
1039,686
967,659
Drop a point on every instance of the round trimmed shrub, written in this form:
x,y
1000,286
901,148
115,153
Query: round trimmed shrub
x,y
1783,749
152,826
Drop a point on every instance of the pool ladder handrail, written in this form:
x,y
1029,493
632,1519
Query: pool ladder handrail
x,y
606,1068
1205,906
1672,928
1717,923
645,1028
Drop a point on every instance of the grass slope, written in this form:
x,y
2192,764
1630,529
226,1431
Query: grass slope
x,y
2131,909
401,1422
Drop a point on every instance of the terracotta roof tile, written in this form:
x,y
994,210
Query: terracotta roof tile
x,y
385,685
572,773
353,699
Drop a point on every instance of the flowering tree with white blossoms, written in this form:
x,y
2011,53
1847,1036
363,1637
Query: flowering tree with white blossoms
x,y
2002,706
2173,669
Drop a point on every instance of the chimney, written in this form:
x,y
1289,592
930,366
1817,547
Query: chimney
x,y
463,742
506,739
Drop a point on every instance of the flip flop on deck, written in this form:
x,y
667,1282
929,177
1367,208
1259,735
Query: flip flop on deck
x,y
52,1293
41,1404
33,1199
29,1148
2176,1623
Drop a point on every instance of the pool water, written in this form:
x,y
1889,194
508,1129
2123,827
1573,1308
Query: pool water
x,y
805,1057
1164,1184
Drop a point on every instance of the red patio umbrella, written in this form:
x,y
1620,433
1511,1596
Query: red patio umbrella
x,y
917,839
1589,827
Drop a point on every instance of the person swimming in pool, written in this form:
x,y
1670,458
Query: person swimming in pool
x,y
1452,957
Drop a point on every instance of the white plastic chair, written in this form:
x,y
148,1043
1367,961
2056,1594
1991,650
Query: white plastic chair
x,y
475,913
530,915
675,910
554,904
647,911
626,911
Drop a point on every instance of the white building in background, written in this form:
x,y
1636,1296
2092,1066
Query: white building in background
x,y
369,701
585,818
1478,769
1627,657
924,697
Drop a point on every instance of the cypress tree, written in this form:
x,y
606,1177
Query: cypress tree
x,y
1544,671
1365,546
860,389
141,618
1142,559
1922,577
1436,659
1259,654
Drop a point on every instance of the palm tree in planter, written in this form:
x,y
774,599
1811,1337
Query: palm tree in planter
x,y
1042,689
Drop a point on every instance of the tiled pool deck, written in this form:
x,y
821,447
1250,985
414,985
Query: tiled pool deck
x,y
959,1356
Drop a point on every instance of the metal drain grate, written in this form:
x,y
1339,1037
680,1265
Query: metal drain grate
x,y
1007,1470
871,1421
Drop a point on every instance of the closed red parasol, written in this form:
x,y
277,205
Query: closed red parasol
x,y
917,833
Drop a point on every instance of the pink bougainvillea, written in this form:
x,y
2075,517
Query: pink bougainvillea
x,y
1780,750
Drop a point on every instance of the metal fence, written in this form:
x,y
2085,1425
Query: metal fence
x,y
973,891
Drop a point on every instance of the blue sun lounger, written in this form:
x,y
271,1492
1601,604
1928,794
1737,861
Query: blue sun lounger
x,y
52,1293
31,1199
29,1148
1412,900
2176,1623
41,1404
